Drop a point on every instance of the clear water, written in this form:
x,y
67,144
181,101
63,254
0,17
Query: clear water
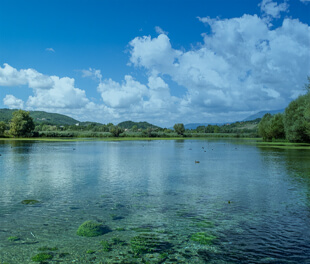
x,y
255,202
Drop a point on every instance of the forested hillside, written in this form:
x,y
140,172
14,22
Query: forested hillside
x,y
40,117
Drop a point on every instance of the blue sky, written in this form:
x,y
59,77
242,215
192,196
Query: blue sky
x,y
158,61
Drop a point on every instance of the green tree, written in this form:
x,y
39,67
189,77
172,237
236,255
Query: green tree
x,y
264,127
2,128
179,128
21,124
216,129
297,119
277,127
201,129
115,130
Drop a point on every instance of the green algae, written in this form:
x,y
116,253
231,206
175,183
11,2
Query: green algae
x,y
90,251
13,238
106,246
118,241
148,243
45,248
30,202
92,229
42,257
203,238
204,223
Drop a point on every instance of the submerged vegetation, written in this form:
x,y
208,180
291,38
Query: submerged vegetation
x,y
42,257
92,229
148,243
30,202
203,238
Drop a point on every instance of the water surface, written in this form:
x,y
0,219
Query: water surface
x,y
254,202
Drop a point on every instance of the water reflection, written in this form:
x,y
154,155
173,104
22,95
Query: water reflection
x,y
254,200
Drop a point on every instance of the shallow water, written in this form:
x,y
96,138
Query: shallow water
x,y
255,202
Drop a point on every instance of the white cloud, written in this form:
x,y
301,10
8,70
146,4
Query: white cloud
x,y
241,66
304,1
152,53
50,92
9,76
92,73
123,95
159,31
61,94
273,9
12,102
50,49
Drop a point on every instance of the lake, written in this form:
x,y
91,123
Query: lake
x,y
163,201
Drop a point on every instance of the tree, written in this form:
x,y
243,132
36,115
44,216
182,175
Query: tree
x,y
264,126
2,128
277,127
179,128
297,119
115,130
271,127
21,124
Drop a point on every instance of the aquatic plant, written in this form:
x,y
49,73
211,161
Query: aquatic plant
x,y
45,248
30,202
203,238
148,243
42,257
13,238
90,251
204,223
92,229
118,241
106,246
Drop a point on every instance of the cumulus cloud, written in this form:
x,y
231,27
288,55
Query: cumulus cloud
x,y
242,65
61,94
12,102
122,95
50,92
273,9
92,73
139,101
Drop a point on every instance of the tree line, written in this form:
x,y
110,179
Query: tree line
x,y
293,125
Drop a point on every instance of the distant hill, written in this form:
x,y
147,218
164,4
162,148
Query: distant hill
x,y
40,117
262,113
140,125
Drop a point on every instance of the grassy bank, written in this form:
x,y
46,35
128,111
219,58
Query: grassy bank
x,y
283,145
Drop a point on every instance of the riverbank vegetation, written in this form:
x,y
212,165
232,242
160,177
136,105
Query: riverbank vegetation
x,y
126,129
293,125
